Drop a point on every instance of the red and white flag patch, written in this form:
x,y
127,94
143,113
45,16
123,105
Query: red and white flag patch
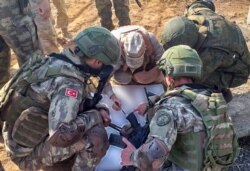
x,y
71,92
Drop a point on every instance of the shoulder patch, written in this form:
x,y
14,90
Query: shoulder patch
x,y
163,119
71,92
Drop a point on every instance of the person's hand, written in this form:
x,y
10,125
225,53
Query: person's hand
x,y
141,108
126,153
116,102
141,77
105,117
44,9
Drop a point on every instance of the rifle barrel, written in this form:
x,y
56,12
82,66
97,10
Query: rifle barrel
x,y
114,126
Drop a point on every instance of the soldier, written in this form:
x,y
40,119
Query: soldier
x,y
140,51
121,12
18,32
46,108
45,29
219,43
62,18
190,128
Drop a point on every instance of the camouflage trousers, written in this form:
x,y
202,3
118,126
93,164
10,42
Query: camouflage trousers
x,y
62,17
83,155
4,62
105,12
45,31
18,32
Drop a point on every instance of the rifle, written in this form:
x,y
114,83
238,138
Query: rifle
x,y
137,137
103,78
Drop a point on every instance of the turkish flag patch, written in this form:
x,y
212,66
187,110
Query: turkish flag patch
x,y
71,92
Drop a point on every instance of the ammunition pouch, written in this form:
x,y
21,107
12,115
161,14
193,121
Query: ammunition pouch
x,y
31,127
15,104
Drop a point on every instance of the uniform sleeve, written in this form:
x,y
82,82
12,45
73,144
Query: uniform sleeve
x,y
163,133
66,97
158,48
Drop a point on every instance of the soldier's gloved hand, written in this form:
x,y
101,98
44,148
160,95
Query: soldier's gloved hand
x,y
44,9
105,117
116,102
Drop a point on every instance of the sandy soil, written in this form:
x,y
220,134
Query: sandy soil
x,y
152,15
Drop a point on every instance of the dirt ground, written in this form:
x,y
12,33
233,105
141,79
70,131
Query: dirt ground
x,y
153,15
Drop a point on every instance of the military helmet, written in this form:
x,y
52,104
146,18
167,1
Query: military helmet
x,y
99,43
134,49
180,61
179,31
202,3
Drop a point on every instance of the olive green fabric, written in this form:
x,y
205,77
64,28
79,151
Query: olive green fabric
x,y
187,151
181,61
228,47
179,30
221,147
99,43
201,3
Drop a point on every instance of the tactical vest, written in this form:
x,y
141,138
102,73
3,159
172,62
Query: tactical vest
x,y
19,106
220,148
218,33
148,63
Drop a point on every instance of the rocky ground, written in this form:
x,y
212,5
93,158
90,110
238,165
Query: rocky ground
x,y
153,15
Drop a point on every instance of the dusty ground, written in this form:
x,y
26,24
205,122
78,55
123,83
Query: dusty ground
x,y
153,15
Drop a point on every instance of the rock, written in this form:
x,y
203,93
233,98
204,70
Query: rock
x,y
239,110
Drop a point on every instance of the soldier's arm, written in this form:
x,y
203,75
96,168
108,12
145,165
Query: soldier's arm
x,y
66,124
154,74
163,132
148,77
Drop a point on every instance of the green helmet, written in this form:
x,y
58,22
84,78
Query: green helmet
x,y
181,61
179,31
201,3
99,43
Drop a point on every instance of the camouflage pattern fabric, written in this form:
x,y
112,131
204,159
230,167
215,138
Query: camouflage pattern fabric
x,y
65,96
18,32
224,50
173,116
62,17
123,75
105,12
4,62
45,30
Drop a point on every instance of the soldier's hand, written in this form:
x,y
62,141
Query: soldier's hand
x,y
126,153
44,9
116,102
105,117
141,108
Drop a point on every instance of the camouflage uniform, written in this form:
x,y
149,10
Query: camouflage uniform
x,y
154,51
190,130
17,31
62,17
121,11
219,42
45,29
63,108
174,116
52,123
